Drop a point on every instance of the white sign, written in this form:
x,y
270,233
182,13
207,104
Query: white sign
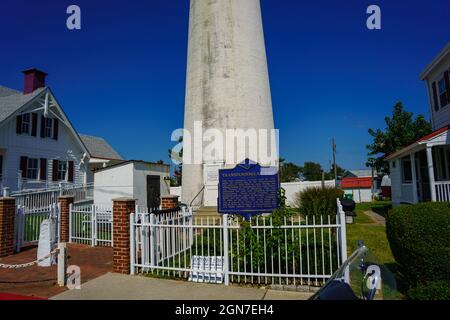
x,y
213,264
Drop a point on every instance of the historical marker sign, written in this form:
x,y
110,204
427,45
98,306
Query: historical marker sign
x,y
247,190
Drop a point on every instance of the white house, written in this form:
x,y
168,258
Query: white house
x,y
421,171
39,147
144,181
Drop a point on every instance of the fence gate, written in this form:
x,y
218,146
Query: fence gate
x,y
91,225
28,224
222,249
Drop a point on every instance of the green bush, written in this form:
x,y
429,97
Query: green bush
x,y
318,201
436,290
419,238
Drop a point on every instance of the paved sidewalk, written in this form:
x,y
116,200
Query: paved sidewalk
x,y
113,286
41,282
378,219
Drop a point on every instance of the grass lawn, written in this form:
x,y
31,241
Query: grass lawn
x,y
373,235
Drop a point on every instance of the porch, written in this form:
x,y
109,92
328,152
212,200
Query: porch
x,y
422,170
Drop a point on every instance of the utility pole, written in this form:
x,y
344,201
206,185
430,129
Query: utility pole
x,y
334,162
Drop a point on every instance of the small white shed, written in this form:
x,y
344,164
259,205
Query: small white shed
x,y
144,181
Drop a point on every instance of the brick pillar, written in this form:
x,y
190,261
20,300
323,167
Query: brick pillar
x,y
122,207
169,202
65,202
7,217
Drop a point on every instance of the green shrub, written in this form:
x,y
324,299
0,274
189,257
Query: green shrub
x,y
419,238
318,201
436,290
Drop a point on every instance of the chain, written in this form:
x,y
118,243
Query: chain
x,y
29,264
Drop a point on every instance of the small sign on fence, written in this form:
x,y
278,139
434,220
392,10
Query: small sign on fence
x,y
212,264
248,190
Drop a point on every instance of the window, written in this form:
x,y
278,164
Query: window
x,y
406,170
48,126
25,123
394,164
32,169
442,91
62,170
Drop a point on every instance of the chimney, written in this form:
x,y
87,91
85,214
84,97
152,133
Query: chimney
x,y
33,79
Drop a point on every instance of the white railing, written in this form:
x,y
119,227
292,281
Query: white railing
x,y
28,223
223,249
442,191
91,225
45,197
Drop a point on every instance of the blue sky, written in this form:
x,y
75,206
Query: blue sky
x,y
122,76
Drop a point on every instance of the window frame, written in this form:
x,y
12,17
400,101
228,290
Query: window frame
x,y
442,96
25,124
62,170
404,180
48,128
32,171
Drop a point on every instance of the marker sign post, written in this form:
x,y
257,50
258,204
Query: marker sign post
x,y
248,190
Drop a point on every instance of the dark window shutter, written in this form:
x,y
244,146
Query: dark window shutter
x,y
34,118
23,166
55,170
70,176
42,126
55,129
19,124
447,86
43,169
435,97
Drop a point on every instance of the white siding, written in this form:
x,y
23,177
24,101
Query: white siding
x,y
360,195
13,146
116,182
141,171
439,118
396,181
129,181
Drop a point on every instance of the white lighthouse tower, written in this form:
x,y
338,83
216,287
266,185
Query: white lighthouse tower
x,y
227,85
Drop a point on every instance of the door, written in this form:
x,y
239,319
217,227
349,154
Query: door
x,y
153,192
423,180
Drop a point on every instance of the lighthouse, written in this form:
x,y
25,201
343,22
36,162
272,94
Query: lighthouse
x,y
227,88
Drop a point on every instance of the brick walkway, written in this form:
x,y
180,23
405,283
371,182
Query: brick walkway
x,y
41,282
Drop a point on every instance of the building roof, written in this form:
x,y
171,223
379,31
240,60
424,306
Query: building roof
x,y
356,183
441,56
422,140
99,148
359,173
12,100
125,162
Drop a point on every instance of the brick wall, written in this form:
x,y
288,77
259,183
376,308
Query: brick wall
x,y
122,208
7,217
65,203
169,202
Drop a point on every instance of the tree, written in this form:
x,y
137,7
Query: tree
x,y
340,172
312,171
289,171
401,130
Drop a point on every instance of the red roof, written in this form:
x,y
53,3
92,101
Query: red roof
x,y
425,138
350,183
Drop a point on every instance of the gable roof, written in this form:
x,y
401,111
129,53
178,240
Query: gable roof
x,y
99,148
445,52
358,173
12,100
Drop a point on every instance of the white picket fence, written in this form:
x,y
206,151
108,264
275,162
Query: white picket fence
x,y
28,224
224,249
91,225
